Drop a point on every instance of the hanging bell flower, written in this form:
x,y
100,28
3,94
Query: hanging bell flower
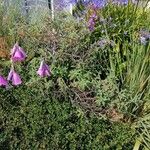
x,y
14,77
17,54
43,70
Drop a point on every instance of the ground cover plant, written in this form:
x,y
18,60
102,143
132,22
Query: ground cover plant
x,y
76,82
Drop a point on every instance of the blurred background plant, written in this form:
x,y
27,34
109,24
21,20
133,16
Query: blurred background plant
x,y
98,94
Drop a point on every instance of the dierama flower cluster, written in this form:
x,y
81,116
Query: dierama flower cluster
x,y
19,55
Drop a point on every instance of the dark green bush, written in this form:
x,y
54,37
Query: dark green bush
x,y
33,119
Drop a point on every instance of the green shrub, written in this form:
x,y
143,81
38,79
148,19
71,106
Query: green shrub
x,y
103,72
32,119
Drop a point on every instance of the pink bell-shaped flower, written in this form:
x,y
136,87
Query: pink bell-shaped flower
x,y
14,77
43,70
3,81
17,53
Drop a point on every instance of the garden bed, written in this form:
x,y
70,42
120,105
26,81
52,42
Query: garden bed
x,y
70,84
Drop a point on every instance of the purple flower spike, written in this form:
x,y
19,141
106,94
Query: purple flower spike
x,y
43,70
91,21
91,24
3,81
17,53
14,78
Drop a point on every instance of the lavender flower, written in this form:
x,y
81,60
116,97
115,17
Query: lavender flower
x,y
105,42
98,3
102,43
94,16
43,70
91,22
120,2
14,77
84,2
95,3
17,53
61,4
143,40
144,37
73,1
3,81
123,2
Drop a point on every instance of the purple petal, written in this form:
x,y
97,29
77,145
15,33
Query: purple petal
x,y
14,49
16,80
91,24
99,3
41,73
22,51
43,70
10,75
3,81
47,70
14,77
18,56
17,53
